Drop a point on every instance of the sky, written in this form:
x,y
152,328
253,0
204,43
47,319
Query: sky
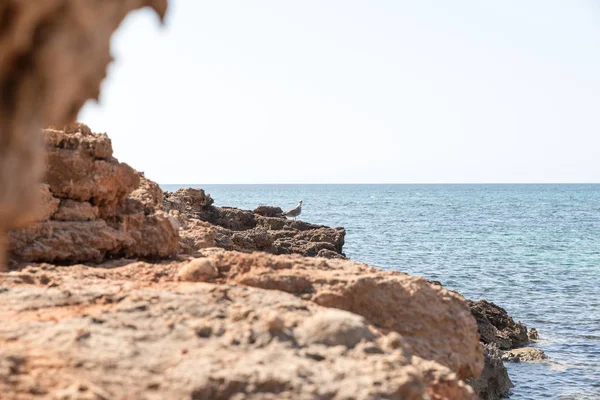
x,y
345,91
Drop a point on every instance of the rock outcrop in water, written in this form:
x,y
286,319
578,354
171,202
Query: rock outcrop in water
x,y
527,354
498,331
494,382
496,326
263,229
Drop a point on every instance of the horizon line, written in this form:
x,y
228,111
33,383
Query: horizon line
x,y
395,183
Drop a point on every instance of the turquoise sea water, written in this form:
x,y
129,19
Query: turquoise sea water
x,y
532,249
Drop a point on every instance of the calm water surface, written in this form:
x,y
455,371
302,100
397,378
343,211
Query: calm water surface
x,y
532,249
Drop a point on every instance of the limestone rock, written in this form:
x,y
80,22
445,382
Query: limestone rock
x,y
496,326
159,338
268,211
187,201
106,209
334,328
198,270
71,210
65,241
422,313
52,59
263,229
494,382
147,197
524,354
47,205
75,171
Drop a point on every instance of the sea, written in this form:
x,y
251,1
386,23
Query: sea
x,y
532,249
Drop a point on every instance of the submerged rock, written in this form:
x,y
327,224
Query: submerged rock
x,y
533,335
524,354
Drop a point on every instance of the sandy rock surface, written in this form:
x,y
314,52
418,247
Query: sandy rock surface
x,y
134,331
422,313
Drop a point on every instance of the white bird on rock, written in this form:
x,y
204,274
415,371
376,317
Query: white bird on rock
x,y
294,212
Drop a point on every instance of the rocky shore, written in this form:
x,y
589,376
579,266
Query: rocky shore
x,y
113,289
177,298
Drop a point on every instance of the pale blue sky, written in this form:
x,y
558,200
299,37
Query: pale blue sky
x,y
342,91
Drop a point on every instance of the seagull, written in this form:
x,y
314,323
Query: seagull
x,y
294,212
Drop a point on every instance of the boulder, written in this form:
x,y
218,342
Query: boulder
x,y
496,326
93,206
268,211
533,335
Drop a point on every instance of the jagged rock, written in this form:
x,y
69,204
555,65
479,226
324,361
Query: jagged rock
x,y
87,337
106,209
494,382
75,170
52,59
496,326
334,328
148,236
524,354
260,230
194,235
268,211
422,313
147,197
187,201
533,335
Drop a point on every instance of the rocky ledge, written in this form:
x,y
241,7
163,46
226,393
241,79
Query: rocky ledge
x,y
264,229
144,330
300,322
92,207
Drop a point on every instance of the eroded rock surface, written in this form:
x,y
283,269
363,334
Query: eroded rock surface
x,y
494,382
263,229
496,326
422,313
135,332
52,59
92,206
